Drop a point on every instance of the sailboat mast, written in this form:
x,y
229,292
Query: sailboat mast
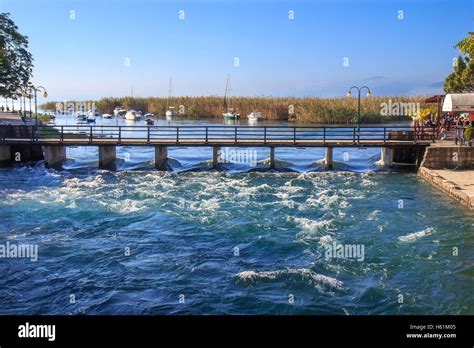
x,y
169,95
225,94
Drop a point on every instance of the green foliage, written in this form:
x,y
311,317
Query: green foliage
x,y
461,80
468,132
16,63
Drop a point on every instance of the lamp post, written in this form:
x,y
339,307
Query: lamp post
x,y
349,94
35,90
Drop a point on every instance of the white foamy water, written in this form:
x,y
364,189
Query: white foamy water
x,y
415,235
303,274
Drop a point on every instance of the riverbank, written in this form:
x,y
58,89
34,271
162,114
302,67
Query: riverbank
x,y
457,184
341,110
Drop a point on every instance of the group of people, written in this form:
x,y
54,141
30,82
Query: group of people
x,y
449,121
2,109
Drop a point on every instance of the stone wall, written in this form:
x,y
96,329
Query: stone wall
x,y
448,157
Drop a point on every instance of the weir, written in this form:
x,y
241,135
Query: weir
x,y
400,145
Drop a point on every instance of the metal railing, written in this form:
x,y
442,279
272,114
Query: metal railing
x,y
212,134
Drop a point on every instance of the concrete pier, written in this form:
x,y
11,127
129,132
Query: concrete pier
x,y
54,155
161,157
216,152
107,157
328,158
272,157
5,156
386,158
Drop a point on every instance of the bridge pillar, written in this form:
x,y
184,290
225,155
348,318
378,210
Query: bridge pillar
x,y
272,157
216,151
5,155
107,157
386,157
328,158
54,155
161,157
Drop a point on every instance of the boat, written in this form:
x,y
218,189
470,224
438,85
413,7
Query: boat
x,y
81,116
91,118
149,119
255,116
133,115
230,114
93,112
170,110
119,112
107,116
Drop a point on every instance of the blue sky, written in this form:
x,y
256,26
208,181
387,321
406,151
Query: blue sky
x,y
85,56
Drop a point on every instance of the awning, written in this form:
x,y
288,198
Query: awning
x,y
459,102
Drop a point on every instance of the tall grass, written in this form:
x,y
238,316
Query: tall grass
x,y
306,110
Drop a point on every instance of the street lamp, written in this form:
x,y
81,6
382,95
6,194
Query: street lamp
x,y
349,94
35,90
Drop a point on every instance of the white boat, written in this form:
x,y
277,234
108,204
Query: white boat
x,y
149,119
107,116
133,115
119,112
255,116
230,114
171,112
91,118
80,116
93,112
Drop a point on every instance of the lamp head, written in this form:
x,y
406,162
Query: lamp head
x,y
349,94
369,94
45,94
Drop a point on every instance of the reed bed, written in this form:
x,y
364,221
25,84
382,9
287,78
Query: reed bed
x,y
305,110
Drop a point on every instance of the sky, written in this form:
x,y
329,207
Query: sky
x,y
87,49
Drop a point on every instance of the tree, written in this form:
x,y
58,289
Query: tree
x,y
16,63
461,80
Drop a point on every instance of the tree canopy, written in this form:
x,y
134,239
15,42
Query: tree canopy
x,y
16,63
462,78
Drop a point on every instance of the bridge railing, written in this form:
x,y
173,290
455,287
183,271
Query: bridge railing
x,y
207,134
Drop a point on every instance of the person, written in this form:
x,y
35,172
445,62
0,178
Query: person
x,y
442,133
3,108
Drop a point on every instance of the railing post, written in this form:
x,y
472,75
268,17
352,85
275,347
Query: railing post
x,y
434,134
324,135
264,135
90,135
294,135
148,135
235,135
384,135
177,135
207,134
62,134
120,135
354,134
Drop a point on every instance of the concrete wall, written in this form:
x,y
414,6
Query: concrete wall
x,y
54,155
107,157
438,157
4,155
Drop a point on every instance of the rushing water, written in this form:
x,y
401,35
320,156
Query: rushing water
x,y
235,242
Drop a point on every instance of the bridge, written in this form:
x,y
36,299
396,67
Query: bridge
x,y
54,139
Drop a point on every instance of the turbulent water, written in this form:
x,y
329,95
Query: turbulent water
x,y
193,241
